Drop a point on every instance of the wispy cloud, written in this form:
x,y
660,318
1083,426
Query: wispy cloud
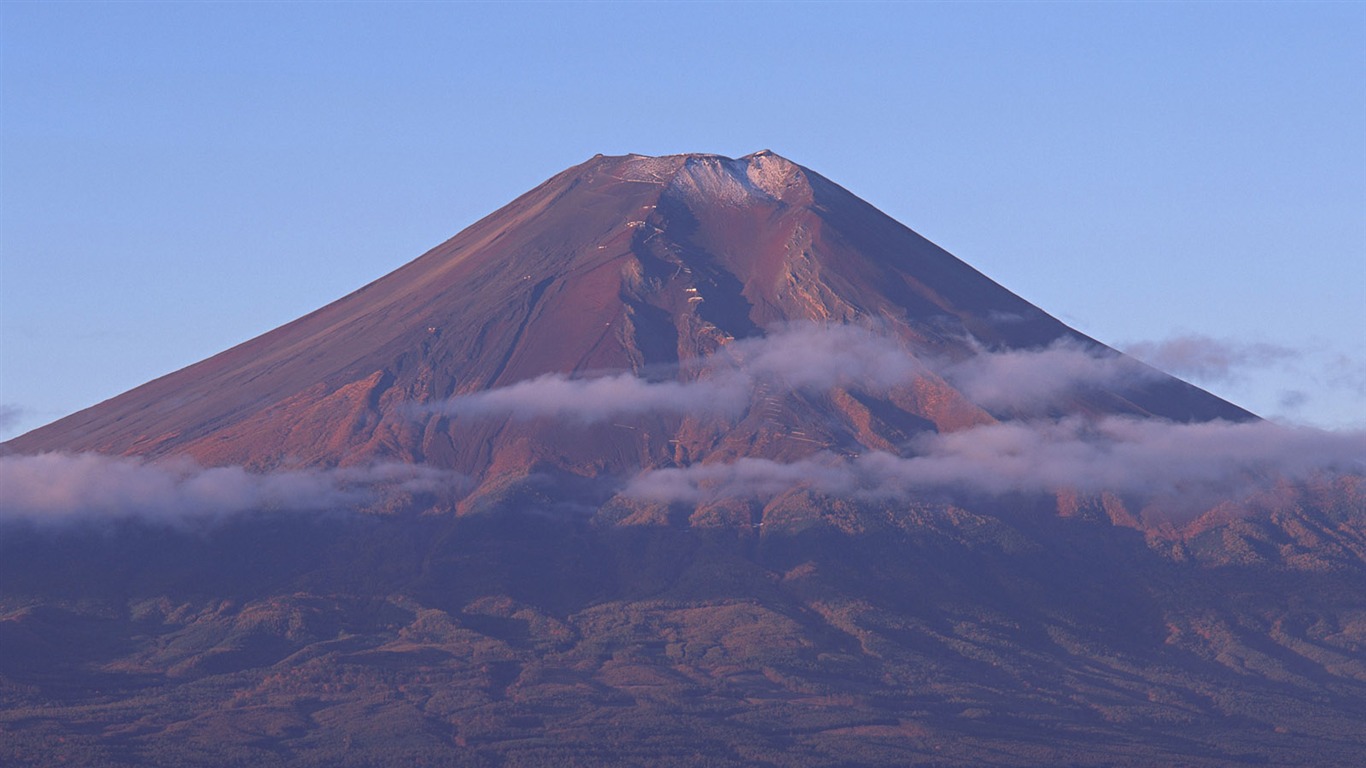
x,y
815,356
795,357
601,398
1205,358
810,357
1324,383
1347,373
1027,379
53,487
10,416
1151,459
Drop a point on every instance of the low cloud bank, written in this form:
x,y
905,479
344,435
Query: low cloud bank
x,y
810,357
1150,459
52,487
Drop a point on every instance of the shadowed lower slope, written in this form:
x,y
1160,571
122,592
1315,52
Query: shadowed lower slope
x,y
891,636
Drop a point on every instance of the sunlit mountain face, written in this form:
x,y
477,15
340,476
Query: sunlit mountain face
x,y
681,460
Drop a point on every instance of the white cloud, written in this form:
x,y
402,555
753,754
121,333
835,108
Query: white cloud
x,y
1146,458
795,357
601,398
809,357
52,487
1032,378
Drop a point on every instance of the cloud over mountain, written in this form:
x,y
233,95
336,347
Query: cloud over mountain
x,y
811,357
798,356
1147,458
738,289
1144,457
57,487
1152,457
1033,378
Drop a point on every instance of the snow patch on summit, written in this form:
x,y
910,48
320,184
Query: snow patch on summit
x,y
643,168
716,179
777,176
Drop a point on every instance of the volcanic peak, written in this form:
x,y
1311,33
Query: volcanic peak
x,y
624,263
711,177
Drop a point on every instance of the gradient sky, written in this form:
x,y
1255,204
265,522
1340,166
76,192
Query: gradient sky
x,y
177,178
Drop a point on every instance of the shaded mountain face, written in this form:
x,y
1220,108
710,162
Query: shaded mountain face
x,y
651,266
876,636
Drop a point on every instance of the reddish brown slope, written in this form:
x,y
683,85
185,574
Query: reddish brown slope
x,y
599,268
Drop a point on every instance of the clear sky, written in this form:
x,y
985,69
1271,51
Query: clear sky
x,y
177,178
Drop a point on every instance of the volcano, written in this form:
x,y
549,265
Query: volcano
x,y
731,469
640,264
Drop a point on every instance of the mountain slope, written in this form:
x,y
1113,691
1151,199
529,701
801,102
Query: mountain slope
x,y
881,636
638,264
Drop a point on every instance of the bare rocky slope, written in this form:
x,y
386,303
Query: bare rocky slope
x,y
619,264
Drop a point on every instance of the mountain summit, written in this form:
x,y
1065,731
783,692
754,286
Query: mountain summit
x,y
645,265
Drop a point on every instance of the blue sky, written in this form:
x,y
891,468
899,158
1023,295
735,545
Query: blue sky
x,y
177,178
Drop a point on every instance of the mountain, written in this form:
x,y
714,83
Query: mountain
x,y
639,264
720,466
